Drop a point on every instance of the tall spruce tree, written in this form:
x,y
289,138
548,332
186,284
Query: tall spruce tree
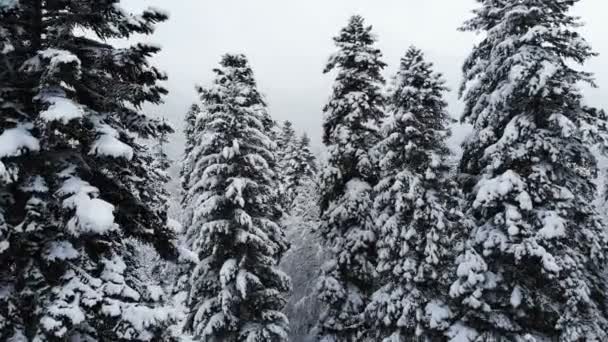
x,y
74,182
286,139
298,165
304,164
236,291
286,148
415,207
534,269
350,127
160,163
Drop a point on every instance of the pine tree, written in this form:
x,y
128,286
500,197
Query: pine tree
x,y
286,148
160,163
350,131
236,291
414,207
298,165
75,183
535,264
305,163
187,164
286,139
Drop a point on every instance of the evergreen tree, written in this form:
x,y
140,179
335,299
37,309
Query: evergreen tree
x,y
415,207
350,131
159,149
159,167
286,139
298,166
236,291
305,163
75,184
187,164
286,148
534,269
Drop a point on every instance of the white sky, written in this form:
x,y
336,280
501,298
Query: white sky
x,y
288,43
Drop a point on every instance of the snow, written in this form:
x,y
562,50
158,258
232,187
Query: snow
x,y
516,297
57,58
230,152
92,215
355,187
62,109
158,10
235,190
498,187
36,184
564,123
14,141
460,333
175,226
60,251
108,144
156,292
242,282
4,245
8,48
553,226
228,272
438,314
548,70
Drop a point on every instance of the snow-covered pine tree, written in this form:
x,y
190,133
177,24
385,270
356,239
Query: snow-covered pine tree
x,y
538,247
305,166
286,139
286,147
75,184
190,130
350,127
297,166
236,291
415,207
159,167
159,149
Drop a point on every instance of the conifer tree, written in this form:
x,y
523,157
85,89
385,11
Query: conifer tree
x,y
286,139
190,132
534,269
298,165
236,292
74,182
160,163
415,206
350,131
286,148
305,165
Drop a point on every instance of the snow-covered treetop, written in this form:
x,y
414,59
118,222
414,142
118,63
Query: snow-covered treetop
x,y
527,53
354,111
415,131
539,244
356,102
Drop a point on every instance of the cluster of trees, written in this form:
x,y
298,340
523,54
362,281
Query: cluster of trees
x,y
507,246
384,241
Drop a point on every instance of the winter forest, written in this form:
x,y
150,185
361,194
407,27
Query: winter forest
x,y
383,233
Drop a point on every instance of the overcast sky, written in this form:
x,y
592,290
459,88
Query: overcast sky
x,y
288,43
